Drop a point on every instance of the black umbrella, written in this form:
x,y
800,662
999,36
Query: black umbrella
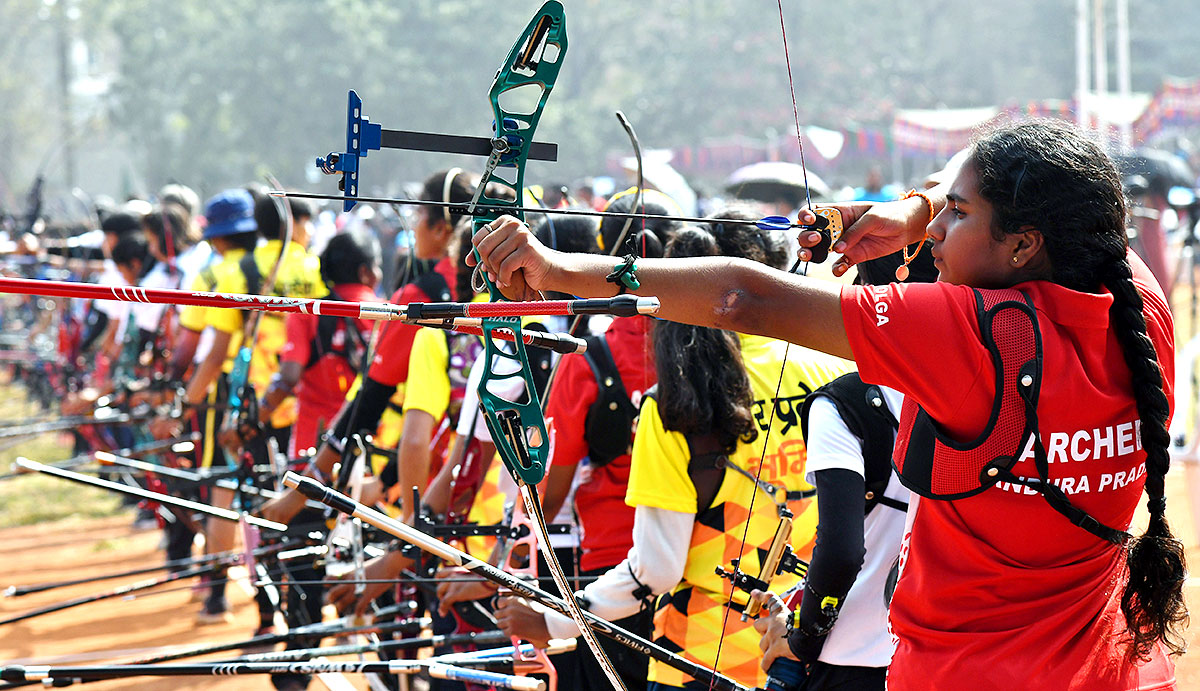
x,y
1154,170
775,181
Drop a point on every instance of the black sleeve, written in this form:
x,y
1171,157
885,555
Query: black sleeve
x,y
836,561
365,410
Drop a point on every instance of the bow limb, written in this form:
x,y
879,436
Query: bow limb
x,y
641,185
537,661
612,251
243,401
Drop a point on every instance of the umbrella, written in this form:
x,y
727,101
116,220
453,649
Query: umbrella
x,y
1159,170
774,181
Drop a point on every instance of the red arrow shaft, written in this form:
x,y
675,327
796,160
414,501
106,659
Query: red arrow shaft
x,y
167,296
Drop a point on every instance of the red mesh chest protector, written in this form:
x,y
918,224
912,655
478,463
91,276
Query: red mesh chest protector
x,y
938,467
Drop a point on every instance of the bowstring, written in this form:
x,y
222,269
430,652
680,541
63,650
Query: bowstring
x,y
782,365
787,59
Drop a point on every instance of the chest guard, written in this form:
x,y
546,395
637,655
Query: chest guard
x,y
865,413
938,467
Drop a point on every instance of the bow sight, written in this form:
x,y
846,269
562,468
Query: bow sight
x,y
364,136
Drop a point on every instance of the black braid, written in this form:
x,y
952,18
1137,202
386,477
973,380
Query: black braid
x,y
1045,175
1153,601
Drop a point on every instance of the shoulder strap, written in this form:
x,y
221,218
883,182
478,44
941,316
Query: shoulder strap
x,y
249,267
209,277
706,463
322,341
864,410
611,415
434,285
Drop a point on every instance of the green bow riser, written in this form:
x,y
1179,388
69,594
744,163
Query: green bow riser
x,y
518,96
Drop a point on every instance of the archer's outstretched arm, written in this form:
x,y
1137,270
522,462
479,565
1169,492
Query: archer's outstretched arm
x,y
734,294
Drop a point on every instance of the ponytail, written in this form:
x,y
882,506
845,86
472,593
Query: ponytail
x,y
1153,602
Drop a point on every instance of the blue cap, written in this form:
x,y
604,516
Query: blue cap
x,y
230,212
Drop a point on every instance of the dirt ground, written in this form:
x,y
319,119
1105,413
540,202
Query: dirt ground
x,y
95,632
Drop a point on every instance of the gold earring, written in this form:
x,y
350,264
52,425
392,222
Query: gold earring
x,y
1015,259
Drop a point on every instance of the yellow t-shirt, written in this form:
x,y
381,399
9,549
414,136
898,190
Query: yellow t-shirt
x,y
195,317
299,276
428,386
692,615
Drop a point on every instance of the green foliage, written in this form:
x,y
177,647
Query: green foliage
x,y
30,499
214,94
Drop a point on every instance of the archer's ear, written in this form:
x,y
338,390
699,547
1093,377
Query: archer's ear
x,y
1029,256
1027,243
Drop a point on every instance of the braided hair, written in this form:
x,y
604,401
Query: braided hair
x,y
1046,175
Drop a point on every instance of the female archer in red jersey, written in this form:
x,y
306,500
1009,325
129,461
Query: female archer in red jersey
x,y
1026,578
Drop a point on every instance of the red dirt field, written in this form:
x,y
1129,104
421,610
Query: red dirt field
x,y
145,626
90,633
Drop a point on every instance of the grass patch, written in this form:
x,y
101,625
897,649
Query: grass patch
x,y
33,498
110,545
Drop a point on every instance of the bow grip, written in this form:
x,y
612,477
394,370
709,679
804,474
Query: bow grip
x,y
829,224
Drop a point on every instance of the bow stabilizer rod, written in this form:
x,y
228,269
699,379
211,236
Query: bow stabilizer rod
x,y
340,502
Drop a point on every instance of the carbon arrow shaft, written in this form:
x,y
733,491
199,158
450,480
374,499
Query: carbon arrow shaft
x,y
147,494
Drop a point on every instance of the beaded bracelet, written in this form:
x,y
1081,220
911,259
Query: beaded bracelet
x,y
928,202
